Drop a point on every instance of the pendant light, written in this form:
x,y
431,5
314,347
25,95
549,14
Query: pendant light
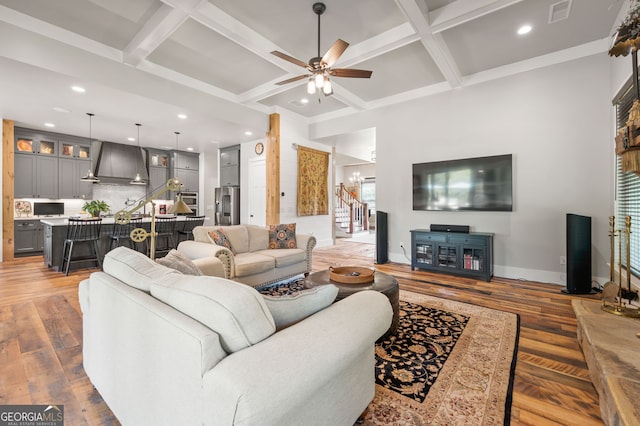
x,y
138,180
89,177
179,206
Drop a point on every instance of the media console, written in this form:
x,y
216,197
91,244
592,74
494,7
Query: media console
x,y
453,253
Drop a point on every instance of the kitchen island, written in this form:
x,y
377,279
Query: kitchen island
x,y
55,232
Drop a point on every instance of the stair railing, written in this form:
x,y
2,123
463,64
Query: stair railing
x,y
358,211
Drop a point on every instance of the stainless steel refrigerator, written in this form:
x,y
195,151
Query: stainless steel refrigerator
x,y
227,205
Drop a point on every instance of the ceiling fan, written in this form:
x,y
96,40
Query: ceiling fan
x,y
320,67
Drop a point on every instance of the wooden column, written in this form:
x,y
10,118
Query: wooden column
x,y
8,177
273,170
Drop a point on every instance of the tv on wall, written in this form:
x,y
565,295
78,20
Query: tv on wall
x,y
470,184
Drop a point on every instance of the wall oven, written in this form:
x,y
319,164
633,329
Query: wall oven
x,y
191,200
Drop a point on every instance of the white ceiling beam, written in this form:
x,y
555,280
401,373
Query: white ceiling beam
x,y
461,11
158,28
217,20
434,43
380,44
347,97
53,32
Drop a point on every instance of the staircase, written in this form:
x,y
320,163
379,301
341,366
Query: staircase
x,y
351,214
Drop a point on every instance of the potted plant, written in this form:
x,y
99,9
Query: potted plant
x,y
94,207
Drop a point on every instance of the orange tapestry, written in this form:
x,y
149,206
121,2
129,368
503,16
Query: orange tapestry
x,y
313,190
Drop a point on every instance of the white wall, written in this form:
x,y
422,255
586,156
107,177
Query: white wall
x,y
1,174
558,125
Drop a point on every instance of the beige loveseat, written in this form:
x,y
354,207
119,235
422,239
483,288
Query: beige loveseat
x,y
253,262
164,348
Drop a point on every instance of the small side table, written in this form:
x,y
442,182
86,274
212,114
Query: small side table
x,y
382,283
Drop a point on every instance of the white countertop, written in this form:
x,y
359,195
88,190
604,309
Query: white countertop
x,y
62,221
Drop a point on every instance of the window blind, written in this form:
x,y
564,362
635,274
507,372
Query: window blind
x,y
627,191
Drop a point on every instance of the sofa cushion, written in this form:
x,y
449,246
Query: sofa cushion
x,y
258,237
135,269
252,263
237,312
285,257
282,236
180,262
220,238
239,237
287,310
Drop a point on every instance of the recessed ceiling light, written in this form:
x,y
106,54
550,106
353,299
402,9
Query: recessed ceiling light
x,y
190,149
524,29
248,133
131,139
304,101
49,125
60,109
182,116
78,89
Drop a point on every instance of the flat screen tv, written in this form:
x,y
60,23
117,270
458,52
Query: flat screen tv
x,y
470,184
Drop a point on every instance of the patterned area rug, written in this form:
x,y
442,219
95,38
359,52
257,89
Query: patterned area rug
x,y
449,363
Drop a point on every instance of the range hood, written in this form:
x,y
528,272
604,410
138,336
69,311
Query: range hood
x,y
119,163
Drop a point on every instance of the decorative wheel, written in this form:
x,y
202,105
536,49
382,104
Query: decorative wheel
x,y
173,184
122,217
138,235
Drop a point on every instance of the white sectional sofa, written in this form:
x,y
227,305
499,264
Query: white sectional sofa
x,y
253,263
164,348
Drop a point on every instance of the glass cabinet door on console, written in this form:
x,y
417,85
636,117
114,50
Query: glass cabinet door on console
x,y
447,256
424,253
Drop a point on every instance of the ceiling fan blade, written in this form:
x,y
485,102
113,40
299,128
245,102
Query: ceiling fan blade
x,y
350,72
334,52
290,59
291,80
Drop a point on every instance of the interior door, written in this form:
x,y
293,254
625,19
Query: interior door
x,y
257,197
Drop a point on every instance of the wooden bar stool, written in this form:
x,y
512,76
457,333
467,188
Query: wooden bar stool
x,y
190,222
121,234
165,230
85,232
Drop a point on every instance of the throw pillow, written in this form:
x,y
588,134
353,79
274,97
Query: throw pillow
x,y
218,237
235,311
282,236
288,310
178,261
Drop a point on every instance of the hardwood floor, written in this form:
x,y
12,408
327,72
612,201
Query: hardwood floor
x,y
41,338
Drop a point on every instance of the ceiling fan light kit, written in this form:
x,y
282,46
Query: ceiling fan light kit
x,y
320,66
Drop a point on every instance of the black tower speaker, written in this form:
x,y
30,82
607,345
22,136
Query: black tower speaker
x,y
578,254
382,237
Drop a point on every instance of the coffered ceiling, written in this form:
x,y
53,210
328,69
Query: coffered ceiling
x,y
147,61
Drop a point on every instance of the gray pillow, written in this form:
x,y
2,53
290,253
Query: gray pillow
x,y
288,310
178,261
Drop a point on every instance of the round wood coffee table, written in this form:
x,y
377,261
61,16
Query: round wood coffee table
x,y
382,283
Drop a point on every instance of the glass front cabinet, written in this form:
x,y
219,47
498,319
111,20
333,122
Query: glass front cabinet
x,y
454,253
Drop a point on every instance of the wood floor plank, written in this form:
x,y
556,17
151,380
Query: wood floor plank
x,y
552,385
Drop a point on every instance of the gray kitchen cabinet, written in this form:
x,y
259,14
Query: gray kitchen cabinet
x,y
28,236
158,178
229,176
74,149
185,166
69,183
189,179
230,166
36,176
182,160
